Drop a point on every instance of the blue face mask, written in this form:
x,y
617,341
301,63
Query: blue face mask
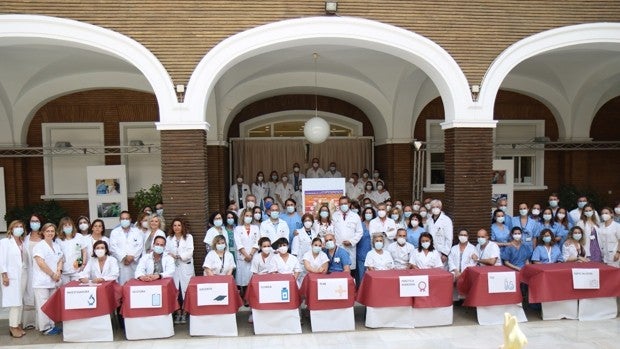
x,y
274,214
230,221
482,241
344,208
546,239
368,216
35,226
407,214
378,245
324,214
158,249
18,231
68,230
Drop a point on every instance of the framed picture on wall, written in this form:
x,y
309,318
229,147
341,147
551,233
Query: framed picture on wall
x,y
107,193
503,185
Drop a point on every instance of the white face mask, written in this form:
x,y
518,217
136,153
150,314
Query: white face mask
x,y
605,217
517,237
83,226
248,220
560,216
589,214
617,210
401,240
436,211
416,207
428,206
415,223
283,249
260,178
99,253
523,212
426,245
423,214
308,224
257,216
535,211
220,247
145,224
250,204
500,219
267,250
382,213
463,239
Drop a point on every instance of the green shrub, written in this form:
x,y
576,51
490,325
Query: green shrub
x,y
50,210
147,197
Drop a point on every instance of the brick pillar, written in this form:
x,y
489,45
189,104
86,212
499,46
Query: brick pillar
x,y
469,166
184,183
395,161
219,177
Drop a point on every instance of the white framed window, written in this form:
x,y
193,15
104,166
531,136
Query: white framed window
x,y
65,165
143,169
528,161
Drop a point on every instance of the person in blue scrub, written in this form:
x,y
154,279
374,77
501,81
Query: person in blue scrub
x,y
527,224
500,232
415,229
364,245
292,218
339,259
516,254
547,250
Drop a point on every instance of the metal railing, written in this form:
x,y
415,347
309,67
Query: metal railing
x,y
29,152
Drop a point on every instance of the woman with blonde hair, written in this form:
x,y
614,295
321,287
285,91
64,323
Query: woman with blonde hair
x,y
573,249
14,275
74,248
219,261
46,276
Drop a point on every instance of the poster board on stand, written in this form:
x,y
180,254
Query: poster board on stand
x,y
316,191
107,193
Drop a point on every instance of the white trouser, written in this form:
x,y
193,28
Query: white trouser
x,y
15,313
40,297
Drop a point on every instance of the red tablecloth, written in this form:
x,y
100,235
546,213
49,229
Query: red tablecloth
x,y
310,291
169,297
382,289
554,282
191,296
474,285
109,296
252,292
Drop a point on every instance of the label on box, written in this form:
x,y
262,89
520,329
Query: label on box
x,y
333,289
274,292
141,297
502,282
212,294
414,286
81,297
586,279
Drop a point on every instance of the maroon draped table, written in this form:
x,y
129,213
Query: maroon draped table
x,y
252,293
109,295
191,296
310,291
169,298
474,285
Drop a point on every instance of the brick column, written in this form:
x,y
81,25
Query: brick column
x,y
184,183
217,172
469,166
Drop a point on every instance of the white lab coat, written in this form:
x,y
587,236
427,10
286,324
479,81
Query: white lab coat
x,y
442,232
268,229
378,261
260,190
302,242
12,262
233,194
212,233
247,242
184,271
90,242
146,266
426,261
123,244
51,256
72,249
387,226
490,250
109,271
461,261
348,229
217,265
608,240
401,254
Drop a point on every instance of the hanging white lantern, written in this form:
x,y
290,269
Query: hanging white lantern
x,y
316,130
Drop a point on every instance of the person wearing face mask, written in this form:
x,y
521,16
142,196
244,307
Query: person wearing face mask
x,y
14,275
365,176
383,224
260,189
424,215
407,214
589,224
339,259
440,227
502,204
527,225
74,248
298,198
217,227
573,249
563,225
554,203
48,266
427,203
302,240
347,229
291,218
32,238
258,216
239,191
609,233
246,240
272,183
546,222
369,193
315,260
364,245
323,221
500,233
262,262
397,216
142,224
487,252
126,245
414,230
535,213
460,257
417,204
546,251
275,227
180,246
157,264
219,261
83,225
354,187
426,256
231,223
295,177
155,227
159,209
516,255
284,262
378,258
315,171
102,266
332,172
381,194
376,177
284,191
575,214
250,204
401,251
